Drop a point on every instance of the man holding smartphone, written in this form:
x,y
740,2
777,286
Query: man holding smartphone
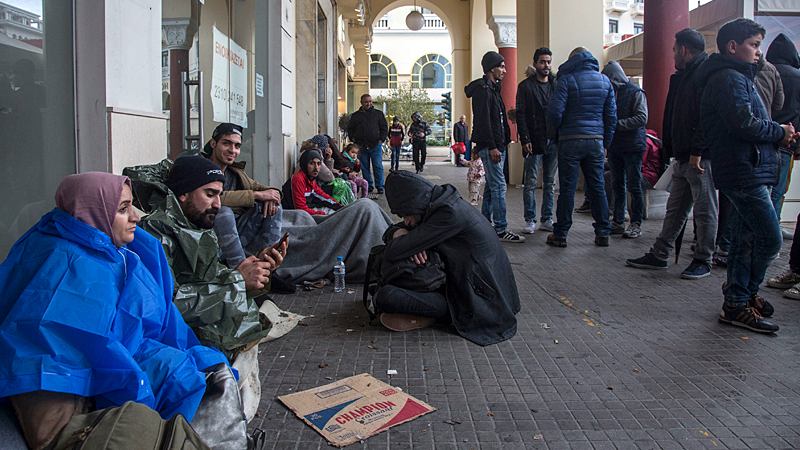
x,y
249,219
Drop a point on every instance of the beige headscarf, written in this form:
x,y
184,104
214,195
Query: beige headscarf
x,y
93,198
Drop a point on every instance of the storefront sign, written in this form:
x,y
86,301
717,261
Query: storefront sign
x,y
229,81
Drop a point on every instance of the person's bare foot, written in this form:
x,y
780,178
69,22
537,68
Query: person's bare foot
x,y
405,322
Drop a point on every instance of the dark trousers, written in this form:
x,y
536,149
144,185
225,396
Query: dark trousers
x,y
419,152
395,300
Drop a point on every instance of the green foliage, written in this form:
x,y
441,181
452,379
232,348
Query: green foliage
x,y
430,142
344,120
404,100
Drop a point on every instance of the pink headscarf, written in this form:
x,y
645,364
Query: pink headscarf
x,y
93,198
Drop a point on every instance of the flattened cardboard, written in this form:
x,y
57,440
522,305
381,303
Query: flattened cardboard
x,y
354,408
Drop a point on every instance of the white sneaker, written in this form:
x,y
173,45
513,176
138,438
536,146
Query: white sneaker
x,y
530,227
546,225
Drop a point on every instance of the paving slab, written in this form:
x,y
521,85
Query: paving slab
x,y
628,358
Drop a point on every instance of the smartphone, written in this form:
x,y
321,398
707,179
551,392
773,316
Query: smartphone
x,y
277,244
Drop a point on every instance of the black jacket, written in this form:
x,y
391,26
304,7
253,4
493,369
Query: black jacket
x,y
489,123
418,127
629,136
736,125
783,55
681,133
368,128
532,112
481,290
460,133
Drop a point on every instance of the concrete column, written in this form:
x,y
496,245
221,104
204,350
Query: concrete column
x,y
663,18
179,35
505,37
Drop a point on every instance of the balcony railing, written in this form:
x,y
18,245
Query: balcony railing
x,y
637,9
613,38
383,24
618,6
432,21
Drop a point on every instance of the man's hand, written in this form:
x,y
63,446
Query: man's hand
x,y
255,273
694,161
495,155
421,134
271,199
419,258
789,136
527,148
274,256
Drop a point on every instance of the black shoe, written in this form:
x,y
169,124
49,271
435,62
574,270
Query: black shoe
x,y
419,171
280,286
762,306
721,261
601,241
556,242
648,261
380,190
584,208
746,317
617,227
696,270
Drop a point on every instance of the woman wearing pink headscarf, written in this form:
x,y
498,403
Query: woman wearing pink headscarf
x,y
87,312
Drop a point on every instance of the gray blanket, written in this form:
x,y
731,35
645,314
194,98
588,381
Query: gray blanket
x,y
316,241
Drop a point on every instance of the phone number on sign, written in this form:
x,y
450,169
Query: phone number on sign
x,y
232,97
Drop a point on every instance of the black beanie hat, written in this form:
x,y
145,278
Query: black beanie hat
x,y
190,172
491,60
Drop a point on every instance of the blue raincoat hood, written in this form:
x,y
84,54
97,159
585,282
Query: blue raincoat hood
x,y
80,316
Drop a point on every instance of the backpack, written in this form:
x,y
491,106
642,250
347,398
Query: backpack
x,y
404,274
130,426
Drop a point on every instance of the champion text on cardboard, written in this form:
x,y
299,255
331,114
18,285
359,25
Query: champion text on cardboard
x,y
355,408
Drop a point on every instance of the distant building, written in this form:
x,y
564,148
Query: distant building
x,y
20,24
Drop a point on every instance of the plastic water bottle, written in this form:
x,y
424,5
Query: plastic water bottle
x,y
338,275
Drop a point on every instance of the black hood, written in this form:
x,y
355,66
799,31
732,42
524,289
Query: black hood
x,y
306,157
479,83
408,193
717,62
615,73
783,51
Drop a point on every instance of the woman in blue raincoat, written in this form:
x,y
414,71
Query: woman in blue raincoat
x,y
87,308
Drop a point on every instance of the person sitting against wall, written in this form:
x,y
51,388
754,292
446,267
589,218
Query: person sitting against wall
x,y
86,315
303,192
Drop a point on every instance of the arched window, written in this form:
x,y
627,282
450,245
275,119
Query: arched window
x,y
382,72
432,71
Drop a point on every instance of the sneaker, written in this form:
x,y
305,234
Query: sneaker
x,y
633,231
546,225
601,241
784,281
584,208
648,261
762,306
793,292
696,270
617,227
746,317
787,235
380,190
721,261
507,236
404,322
530,227
556,242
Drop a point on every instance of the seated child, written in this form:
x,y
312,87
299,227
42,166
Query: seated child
x,y
475,178
349,165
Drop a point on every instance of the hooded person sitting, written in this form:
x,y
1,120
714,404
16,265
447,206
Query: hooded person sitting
x,y
480,297
87,312
211,297
306,195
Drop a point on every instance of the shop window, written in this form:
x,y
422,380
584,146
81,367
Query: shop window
x,y
382,72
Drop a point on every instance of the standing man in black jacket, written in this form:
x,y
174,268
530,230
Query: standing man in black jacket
x,y
419,131
692,185
491,135
461,135
533,97
368,129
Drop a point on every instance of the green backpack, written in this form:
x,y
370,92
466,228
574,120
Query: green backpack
x,y
130,426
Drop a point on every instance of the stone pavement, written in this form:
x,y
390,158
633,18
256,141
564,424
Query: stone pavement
x,y
606,356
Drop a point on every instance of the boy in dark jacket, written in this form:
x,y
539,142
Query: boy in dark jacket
x,y
480,298
419,131
744,164
491,135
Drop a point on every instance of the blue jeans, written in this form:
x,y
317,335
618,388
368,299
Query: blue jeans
x,y
588,155
247,234
755,241
626,168
494,194
375,157
395,161
780,189
550,164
